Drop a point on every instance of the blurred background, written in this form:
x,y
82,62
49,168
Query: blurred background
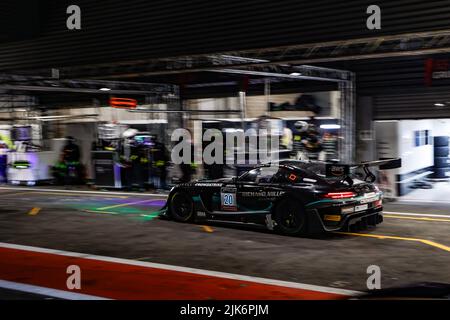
x,y
97,106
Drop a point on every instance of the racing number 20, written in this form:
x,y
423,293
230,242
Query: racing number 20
x,y
228,199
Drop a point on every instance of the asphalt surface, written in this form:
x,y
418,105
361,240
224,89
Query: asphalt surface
x,y
125,226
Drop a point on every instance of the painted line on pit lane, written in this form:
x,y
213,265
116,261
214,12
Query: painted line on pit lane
x,y
150,216
65,194
101,212
417,214
419,201
208,229
382,237
416,218
85,192
9,194
34,211
127,204
187,270
54,293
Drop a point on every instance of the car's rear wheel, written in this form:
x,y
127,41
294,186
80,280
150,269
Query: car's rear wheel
x,y
182,207
290,217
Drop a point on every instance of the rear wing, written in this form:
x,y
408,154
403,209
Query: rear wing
x,y
343,170
384,164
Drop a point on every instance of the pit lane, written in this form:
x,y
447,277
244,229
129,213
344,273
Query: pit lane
x,y
124,226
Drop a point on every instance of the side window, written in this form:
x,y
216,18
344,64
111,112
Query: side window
x,y
260,175
266,174
250,176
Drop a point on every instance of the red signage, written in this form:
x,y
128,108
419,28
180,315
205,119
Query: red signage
x,y
123,103
436,69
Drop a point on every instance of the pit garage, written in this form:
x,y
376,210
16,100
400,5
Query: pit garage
x,y
414,126
87,141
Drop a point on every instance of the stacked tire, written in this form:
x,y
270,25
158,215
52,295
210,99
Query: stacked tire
x,y
441,159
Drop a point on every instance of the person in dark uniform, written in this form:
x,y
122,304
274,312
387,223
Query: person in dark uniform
x,y
69,170
187,169
71,151
160,161
139,161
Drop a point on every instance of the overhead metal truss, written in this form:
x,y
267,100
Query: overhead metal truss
x,y
407,44
291,72
13,86
16,90
10,82
363,48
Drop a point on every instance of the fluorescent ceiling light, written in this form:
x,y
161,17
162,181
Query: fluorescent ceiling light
x,y
330,126
105,89
295,74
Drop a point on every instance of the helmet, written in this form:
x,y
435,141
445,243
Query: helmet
x,y
129,133
301,126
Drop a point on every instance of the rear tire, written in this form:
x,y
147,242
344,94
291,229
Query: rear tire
x,y
182,207
290,217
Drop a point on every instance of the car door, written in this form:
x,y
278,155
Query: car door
x,y
253,189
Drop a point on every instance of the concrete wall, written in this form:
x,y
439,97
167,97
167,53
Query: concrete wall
x,y
397,139
441,127
414,158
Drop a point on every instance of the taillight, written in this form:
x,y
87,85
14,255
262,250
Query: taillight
x,y
339,195
378,203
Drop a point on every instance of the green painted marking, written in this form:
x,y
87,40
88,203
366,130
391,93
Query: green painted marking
x,y
151,216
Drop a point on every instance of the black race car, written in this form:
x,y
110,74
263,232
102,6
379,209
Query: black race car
x,y
292,197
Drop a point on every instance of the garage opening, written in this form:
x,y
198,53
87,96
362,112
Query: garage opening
x,y
416,128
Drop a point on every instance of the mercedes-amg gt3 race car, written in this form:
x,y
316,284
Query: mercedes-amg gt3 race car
x,y
292,197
